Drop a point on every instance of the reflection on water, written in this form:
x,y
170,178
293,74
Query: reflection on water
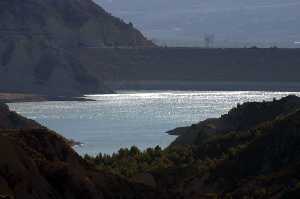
x,y
133,118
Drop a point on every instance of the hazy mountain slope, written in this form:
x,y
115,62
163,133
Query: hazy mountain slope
x,y
34,65
233,22
39,41
195,68
68,22
262,163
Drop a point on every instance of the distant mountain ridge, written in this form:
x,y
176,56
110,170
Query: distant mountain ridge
x,y
39,42
68,22
234,23
217,69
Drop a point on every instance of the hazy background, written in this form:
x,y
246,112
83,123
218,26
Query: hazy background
x,y
234,23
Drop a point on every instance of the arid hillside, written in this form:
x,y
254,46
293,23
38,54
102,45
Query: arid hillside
x,y
38,42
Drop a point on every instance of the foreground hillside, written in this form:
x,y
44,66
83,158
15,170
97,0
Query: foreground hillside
x,y
37,163
39,42
251,152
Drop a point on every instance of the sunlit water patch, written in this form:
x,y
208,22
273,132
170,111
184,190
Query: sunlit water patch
x,y
133,118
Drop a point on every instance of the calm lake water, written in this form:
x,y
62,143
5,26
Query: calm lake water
x,y
133,118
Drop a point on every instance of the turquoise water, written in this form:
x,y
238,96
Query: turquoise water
x,y
133,118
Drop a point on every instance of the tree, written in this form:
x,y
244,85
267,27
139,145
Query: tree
x,y
134,151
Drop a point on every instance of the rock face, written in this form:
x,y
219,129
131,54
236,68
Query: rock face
x,y
39,41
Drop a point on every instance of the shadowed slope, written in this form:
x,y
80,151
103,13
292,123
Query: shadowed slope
x,y
37,163
39,42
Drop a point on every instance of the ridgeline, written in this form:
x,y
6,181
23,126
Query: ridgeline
x,y
251,152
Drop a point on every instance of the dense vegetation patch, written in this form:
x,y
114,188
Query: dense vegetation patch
x,y
258,161
129,162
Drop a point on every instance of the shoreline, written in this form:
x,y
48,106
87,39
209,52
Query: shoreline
x,y
157,85
22,97
273,86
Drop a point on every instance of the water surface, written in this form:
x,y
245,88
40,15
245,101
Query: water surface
x,y
133,118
